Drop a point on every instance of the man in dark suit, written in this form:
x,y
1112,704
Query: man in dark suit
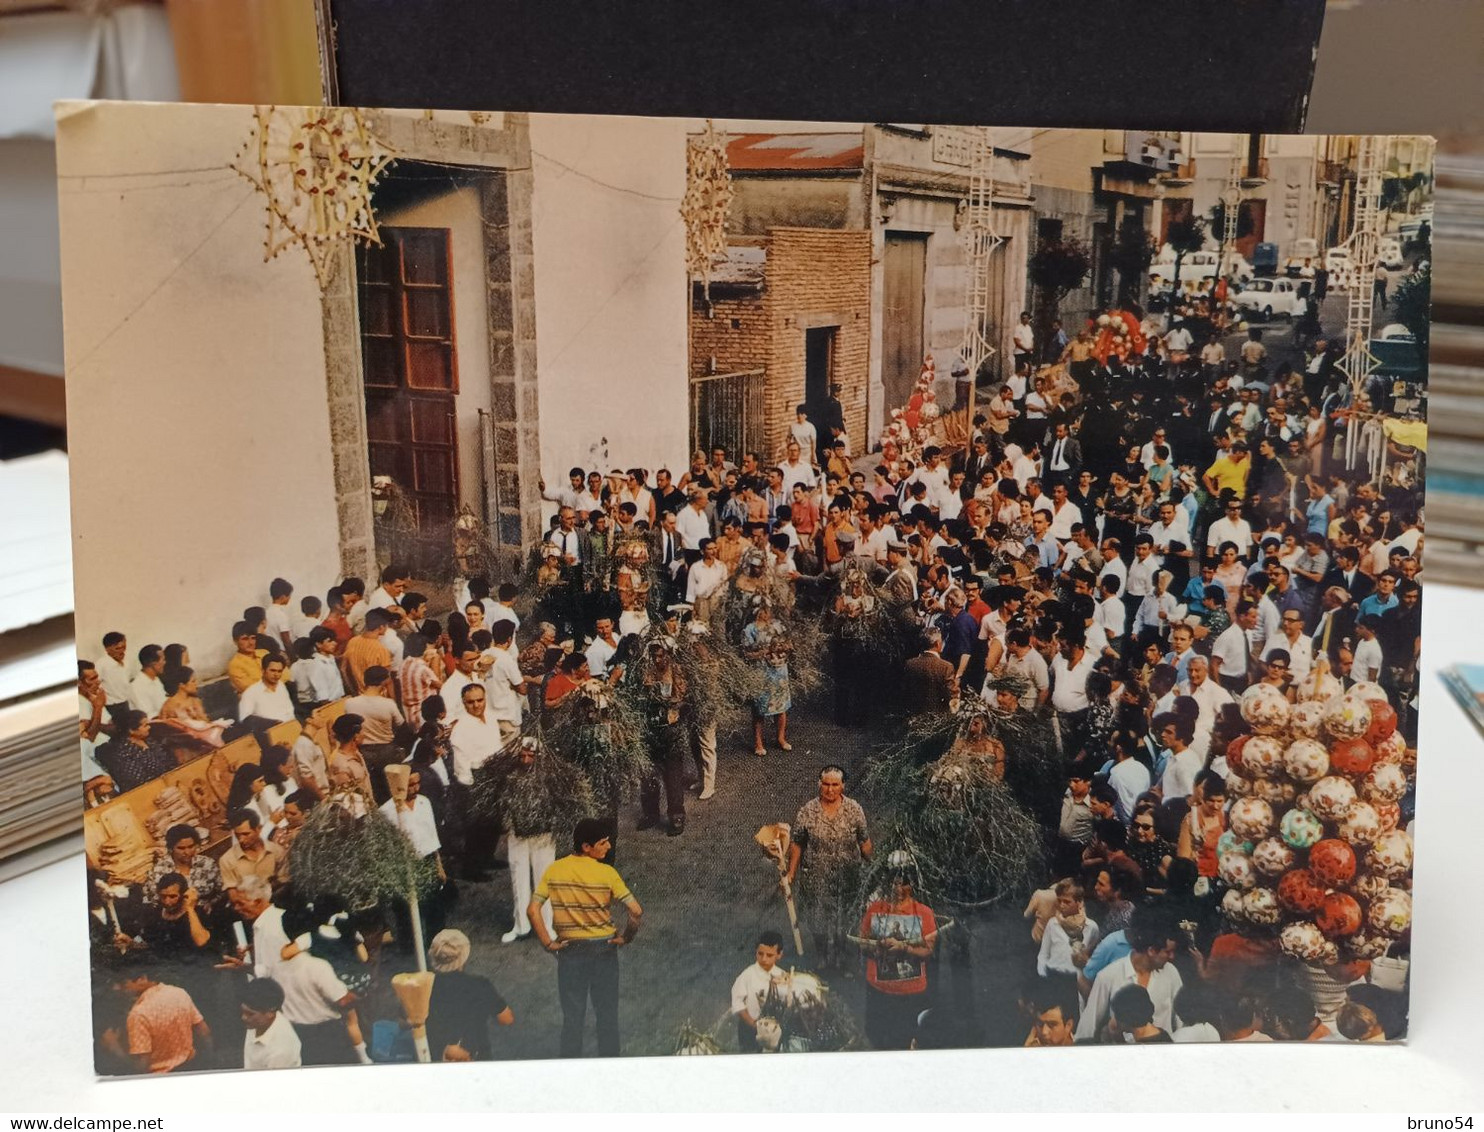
x,y
928,683
1336,624
1345,573
667,552
1063,457
974,464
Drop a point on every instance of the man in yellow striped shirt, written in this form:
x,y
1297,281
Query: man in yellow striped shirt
x,y
582,891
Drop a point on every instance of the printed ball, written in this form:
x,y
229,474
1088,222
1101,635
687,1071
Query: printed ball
x,y
1332,862
1236,870
1329,955
1262,757
1365,945
1390,814
1339,915
1303,940
1250,818
1331,798
1361,826
1300,829
1276,792
1104,320
1266,709
1367,690
1306,760
1351,756
1299,891
1229,842
1231,904
1319,691
1368,886
1348,717
1391,855
1391,750
1237,786
1391,912
1271,857
1386,783
1306,718
1383,721
1260,906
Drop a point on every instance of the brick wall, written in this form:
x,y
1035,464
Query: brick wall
x,y
814,277
813,273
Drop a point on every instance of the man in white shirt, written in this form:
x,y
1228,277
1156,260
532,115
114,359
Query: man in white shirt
x,y
1025,662
270,1041
475,736
280,617
1024,338
1231,527
1209,696
1231,655
1110,613
1026,466
802,430
1139,582
317,677
797,470
1064,513
146,690
413,815
1069,673
567,496
269,697
504,684
1366,657
691,523
387,596
1171,528
464,674
114,671
604,645
1154,937
705,580
1146,454
1300,648
1129,778
1184,764
1113,565
504,607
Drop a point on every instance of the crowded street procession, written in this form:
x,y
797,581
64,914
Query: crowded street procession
x,y
1081,711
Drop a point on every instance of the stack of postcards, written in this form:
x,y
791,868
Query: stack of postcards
x,y
38,733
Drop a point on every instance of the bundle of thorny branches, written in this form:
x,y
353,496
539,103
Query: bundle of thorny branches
x,y
805,635
809,1017
349,849
862,617
602,733
530,790
966,827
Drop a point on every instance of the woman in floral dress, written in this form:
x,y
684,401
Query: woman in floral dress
x,y
765,643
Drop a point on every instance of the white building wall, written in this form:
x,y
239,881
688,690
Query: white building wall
x,y
198,422
459,212
611,292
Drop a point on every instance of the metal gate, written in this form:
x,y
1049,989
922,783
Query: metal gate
x,y
727,410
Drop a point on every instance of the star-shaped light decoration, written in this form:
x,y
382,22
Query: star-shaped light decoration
x,y
317,168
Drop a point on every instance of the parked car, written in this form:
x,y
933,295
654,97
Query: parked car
x,y
1198,270
1265,298
1301,259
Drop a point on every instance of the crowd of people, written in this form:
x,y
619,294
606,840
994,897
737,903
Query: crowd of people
x,y
1129,540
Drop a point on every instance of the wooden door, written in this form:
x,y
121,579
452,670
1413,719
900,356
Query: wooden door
x,y
411,371
902,334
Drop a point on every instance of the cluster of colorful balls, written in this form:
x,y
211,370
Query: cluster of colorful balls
x,y
1313,846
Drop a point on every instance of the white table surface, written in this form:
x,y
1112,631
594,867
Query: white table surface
x,y
45,1045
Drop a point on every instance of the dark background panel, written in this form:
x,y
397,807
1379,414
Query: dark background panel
x,y
1188,64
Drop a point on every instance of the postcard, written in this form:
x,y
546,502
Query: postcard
x,y
554,586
